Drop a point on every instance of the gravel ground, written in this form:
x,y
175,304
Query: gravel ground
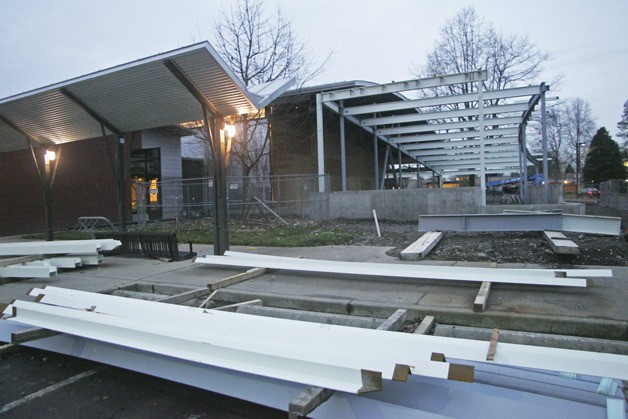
x,y
500,247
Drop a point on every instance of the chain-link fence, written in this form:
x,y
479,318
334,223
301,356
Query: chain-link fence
x,y
614,194
287,196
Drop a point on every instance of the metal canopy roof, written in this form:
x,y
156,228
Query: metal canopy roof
x,y
473,133
138,95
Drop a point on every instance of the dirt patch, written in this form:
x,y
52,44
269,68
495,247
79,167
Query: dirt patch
x,y
499,247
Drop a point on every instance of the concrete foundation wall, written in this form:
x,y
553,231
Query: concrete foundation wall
x,y
535,194
403,204
408,204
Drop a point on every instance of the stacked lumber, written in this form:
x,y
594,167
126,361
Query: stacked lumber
x,y
41,259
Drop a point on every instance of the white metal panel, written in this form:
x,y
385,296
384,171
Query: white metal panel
x,y
443,100
139,95
208,333
444,115
27,271
402,86
385,270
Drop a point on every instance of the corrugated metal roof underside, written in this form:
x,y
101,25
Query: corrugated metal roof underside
x,y
136,96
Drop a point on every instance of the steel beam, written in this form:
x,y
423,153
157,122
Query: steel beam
x,y
332,345
58,247
452,135
490,222
461,151
448,125
91,112
443,100
384,270
442,115
343,153
401,86
320,143
592,224
510,140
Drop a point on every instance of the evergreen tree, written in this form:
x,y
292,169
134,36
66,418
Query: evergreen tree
x,y
603,161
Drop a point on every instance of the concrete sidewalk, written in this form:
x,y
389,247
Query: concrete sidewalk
x,y
599,311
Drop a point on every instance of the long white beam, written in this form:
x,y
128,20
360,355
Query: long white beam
x,y
27,271
452,135
443,115
471,162
460,151
442,100
418,397
208,333
512,140
57,247
402,86
385,270
448,125
495,157
598,273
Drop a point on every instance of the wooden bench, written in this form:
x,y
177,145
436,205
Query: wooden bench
x,y
157,245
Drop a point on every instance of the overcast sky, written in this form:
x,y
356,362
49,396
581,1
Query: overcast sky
x,y
47,41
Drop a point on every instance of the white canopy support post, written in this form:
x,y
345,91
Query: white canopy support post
x,y
481,127
384,166
400,179
343,153
376,159
320,143
544,140
524,164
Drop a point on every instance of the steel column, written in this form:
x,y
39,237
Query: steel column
x,y
524,148
400,181
384,167
481,127
47,186
214,134
544,141
320,143
343,154
376,158
221,229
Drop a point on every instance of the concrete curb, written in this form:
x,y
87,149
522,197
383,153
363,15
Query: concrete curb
x,y
570,326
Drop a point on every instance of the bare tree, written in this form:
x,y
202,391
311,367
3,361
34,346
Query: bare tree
x,y
468,43
579,127
556,149
622,126
260,48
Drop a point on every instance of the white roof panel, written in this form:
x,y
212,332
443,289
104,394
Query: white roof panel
x,y
138,95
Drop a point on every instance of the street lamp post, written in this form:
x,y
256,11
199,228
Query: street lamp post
x,y
49,157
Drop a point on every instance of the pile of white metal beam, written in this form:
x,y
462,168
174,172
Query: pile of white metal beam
x,y
41,259
556,277
341,358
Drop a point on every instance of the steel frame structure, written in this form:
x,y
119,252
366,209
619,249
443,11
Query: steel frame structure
x,y
486,123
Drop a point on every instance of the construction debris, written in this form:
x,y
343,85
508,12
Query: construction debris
x,y
560,244
420,248
31,262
